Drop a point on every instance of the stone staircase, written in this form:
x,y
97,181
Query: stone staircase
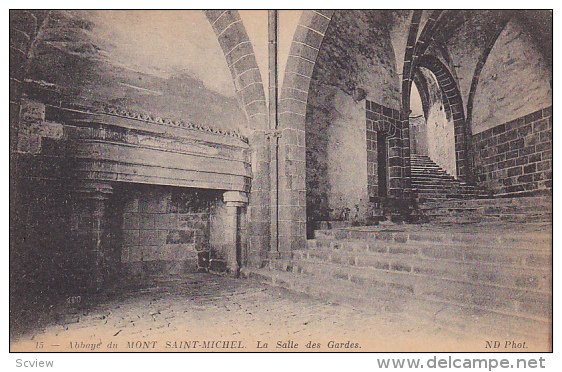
x,y
513,209
430,182
481,265
444,200
482,279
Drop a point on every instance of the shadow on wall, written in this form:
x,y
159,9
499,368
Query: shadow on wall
x,y
110,57
514,82
152,230
356,56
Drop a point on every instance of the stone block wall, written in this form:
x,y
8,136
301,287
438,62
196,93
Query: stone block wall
x,y
167,230
516,156
372,163
381,119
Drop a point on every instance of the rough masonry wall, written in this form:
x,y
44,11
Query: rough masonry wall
x,y
356,61
514,82
167,230
464,46
516,156
41,266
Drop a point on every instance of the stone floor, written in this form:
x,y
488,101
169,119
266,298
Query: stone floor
x,y
204,312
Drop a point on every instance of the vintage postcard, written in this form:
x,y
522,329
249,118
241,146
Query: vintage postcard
x,y
280,180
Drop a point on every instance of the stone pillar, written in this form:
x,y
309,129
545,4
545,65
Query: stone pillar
x,y
90,258
233,201
395,161
406,152
259,213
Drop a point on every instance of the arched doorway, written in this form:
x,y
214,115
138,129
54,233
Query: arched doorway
x,y
431,125
437,121
343,105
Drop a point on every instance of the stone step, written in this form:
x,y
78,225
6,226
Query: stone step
x,y
442,186
451,220
475,217
419,180
484,206
518,201
424,165
460,319
445,194
507,269
431,175
327,288
427,189
421,160
439,180
433,196
416,165
537,255
433,171
531,236
432,178
484,210
509,300
420,157
443,189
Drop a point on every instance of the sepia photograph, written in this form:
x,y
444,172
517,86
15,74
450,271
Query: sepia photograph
x,y
280,180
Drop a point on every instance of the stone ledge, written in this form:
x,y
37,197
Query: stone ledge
x,y
52,102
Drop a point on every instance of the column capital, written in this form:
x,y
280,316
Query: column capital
x,y
235,198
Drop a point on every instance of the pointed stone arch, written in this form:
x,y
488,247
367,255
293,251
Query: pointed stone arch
x,y
454,105
241,60
478,70
303,53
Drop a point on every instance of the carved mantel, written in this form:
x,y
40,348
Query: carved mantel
x,y
91,152
104,146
